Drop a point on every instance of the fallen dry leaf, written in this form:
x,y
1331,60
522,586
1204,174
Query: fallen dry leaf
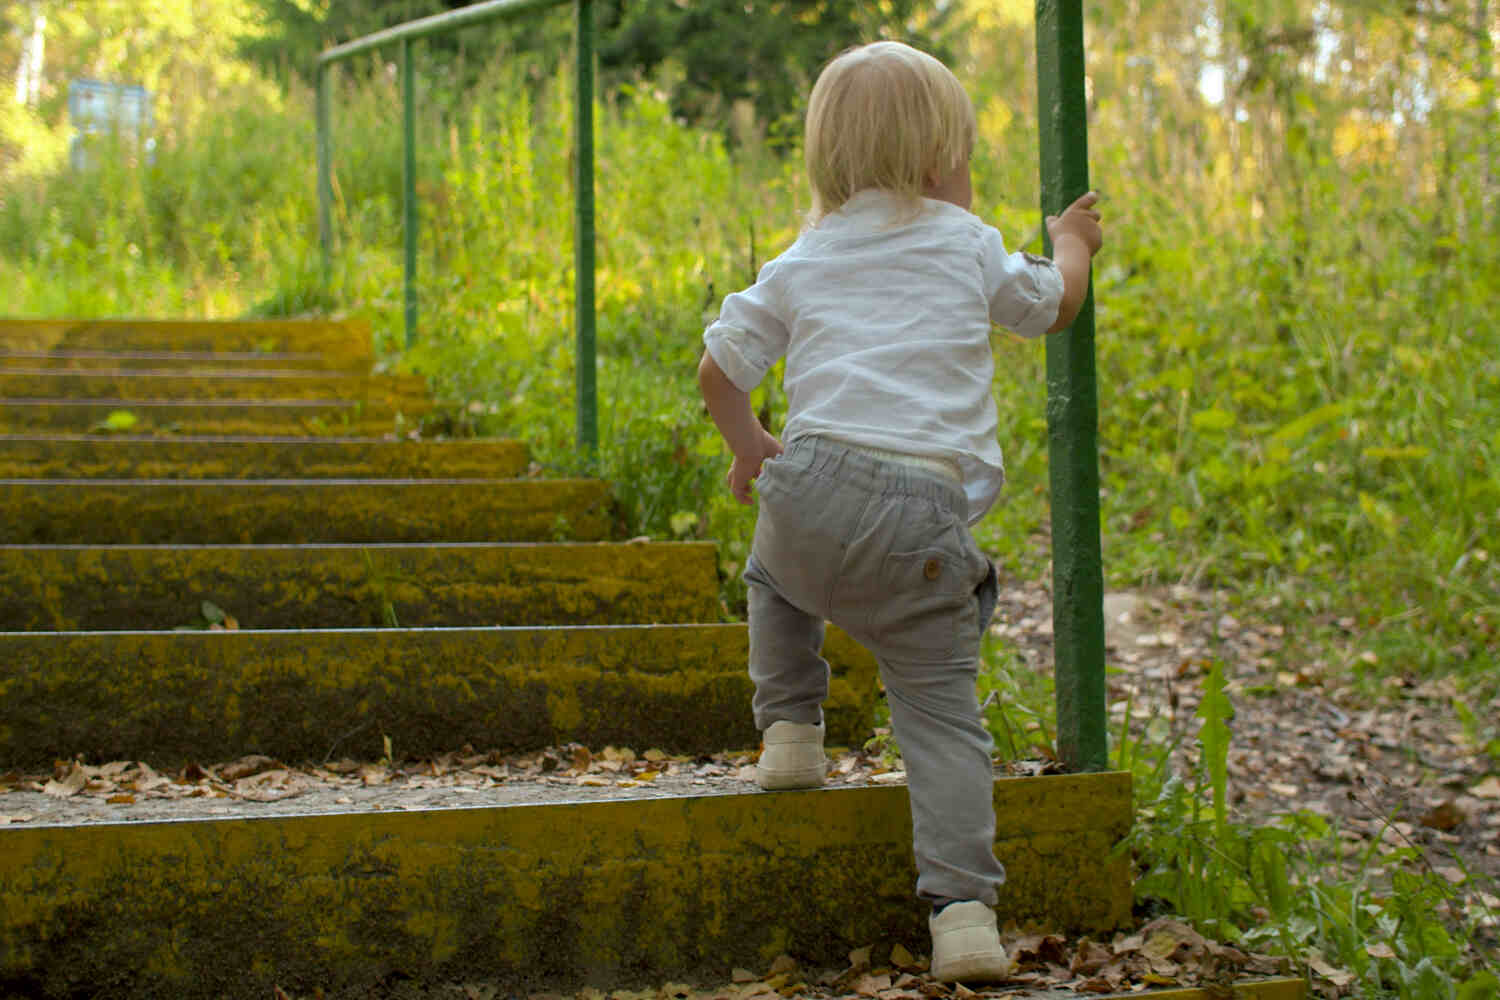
x,y
1090,957
903,959
1107,981
71,784
1489,788
246,766
1037,951
1445,817
1336,976
374,774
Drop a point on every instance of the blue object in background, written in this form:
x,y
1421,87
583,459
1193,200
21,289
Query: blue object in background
x,y
118,109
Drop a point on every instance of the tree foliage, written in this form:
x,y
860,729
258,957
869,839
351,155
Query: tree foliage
x,y
725,51
766,52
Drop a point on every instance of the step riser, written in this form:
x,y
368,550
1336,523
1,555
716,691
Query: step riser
x,y
389,390
340,344
70,589
326,418
105,512
121,457
168,698
85,361
557,896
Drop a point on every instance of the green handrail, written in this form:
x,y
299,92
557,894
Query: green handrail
x,y
583,212
1072,409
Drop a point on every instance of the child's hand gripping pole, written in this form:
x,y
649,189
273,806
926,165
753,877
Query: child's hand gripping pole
x,y
1076,236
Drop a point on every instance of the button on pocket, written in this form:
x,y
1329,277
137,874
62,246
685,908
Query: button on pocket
x,y
925,605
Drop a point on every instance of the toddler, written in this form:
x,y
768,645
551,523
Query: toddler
x,y
883,308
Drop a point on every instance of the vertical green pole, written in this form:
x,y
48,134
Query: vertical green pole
x,y
1072,408
583,237
409,188
325,185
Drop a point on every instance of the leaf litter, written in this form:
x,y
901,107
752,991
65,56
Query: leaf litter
x,y
1164,952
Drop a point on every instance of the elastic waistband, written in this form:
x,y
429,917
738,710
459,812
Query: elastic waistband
x,y
940,467
879,471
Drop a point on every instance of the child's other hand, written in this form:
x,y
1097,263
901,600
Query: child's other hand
x,y
1079,220
745,468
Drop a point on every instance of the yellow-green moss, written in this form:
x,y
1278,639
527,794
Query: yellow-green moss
x,y
533,896
177,696
228,512
100,456
86,361
342,586
320,419
391,390
343,342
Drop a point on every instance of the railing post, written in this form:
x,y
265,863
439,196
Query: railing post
x,y
405,34
325,185
583,238
1072,408
409,189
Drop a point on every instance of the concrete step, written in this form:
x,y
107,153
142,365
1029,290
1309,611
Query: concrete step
x,y
317,417
70,587
296,511
85,360
215,383
339,343
171,697
118,456
543,896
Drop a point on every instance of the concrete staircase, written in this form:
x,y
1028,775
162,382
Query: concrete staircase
x,y
425,595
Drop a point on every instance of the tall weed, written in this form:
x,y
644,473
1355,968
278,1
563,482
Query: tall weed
x,y
1380,924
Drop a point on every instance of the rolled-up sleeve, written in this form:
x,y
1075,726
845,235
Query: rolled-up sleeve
x,y
749,336
1024,291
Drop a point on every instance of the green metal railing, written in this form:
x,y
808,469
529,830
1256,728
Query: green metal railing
x,y
1072,395
583,178
1072,408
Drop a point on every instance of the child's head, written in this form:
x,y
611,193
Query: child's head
x,y
884,116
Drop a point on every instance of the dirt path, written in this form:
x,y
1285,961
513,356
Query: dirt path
x,y
1400,770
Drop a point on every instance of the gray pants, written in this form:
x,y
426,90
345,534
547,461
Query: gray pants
x,y
883,551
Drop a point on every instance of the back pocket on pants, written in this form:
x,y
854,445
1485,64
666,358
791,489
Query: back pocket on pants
x,y
925,609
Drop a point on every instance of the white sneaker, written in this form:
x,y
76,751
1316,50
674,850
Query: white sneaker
x,y
791,756
966,945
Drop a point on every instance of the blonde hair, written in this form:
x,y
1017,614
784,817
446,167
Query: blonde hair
x,y
884,116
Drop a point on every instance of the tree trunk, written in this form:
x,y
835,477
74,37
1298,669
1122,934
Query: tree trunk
x,y
29,72
1484,70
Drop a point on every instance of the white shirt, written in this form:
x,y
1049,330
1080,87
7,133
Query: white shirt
x,y
885,325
